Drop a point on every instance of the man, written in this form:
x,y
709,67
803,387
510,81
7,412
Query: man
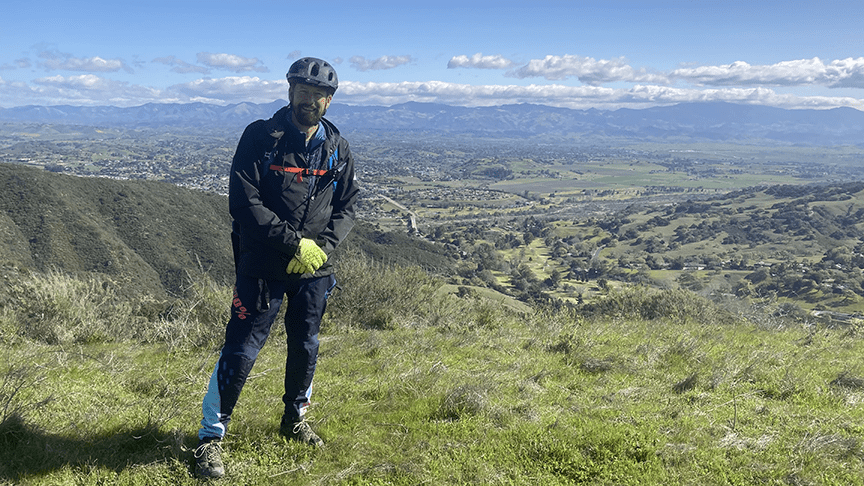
x,y
291,194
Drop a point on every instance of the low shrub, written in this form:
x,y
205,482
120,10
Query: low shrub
x,y
373,295
643,303
58,308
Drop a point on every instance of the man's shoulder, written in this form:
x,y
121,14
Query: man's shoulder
x,y
273,127
333,133
278,121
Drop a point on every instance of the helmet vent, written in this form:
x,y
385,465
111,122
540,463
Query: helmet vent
x,y
314,71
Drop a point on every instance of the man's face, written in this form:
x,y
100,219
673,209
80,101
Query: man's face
x,y
309,103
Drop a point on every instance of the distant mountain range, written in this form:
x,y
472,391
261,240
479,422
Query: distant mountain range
x,y
687,122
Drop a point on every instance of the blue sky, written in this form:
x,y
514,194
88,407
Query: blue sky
x,y
592,54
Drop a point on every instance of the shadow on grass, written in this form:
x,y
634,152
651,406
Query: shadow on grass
x,y
27,450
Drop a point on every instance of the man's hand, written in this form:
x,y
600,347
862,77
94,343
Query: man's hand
x,y
294,266
309,255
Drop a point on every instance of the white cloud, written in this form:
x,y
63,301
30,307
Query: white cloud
x,y
11,91
22,63
91,89
58,61
778,84
231,62
480,95
81,81
844,73
83,89
479,61
181,66
587,70
576,97
360,63
233,89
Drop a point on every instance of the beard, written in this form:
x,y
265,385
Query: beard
x,y
309,115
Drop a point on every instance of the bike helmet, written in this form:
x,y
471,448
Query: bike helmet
x,y
314,71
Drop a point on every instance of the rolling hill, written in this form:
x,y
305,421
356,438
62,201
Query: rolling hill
x,y
147,235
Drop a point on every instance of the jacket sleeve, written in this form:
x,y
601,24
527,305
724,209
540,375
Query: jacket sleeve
x,y
245,201
344,196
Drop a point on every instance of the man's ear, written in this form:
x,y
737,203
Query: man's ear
x,y
327,103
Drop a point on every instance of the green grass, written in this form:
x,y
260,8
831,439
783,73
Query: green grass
x,y
416,386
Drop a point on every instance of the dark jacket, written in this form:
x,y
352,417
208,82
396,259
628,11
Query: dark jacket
x,y
273,209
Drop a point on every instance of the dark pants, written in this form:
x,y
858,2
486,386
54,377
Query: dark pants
x,y
253,310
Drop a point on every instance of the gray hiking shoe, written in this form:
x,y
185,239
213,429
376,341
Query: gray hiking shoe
x,y
301,432
208,460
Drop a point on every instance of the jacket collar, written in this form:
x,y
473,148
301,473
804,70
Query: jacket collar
x,y
280,123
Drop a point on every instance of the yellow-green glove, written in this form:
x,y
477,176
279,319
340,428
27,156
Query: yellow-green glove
x,y
294,266
310,255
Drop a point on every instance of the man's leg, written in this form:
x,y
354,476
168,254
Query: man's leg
x,y
302,323
253,310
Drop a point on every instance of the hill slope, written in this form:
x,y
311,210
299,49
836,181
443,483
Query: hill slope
x,y
145,234
148,234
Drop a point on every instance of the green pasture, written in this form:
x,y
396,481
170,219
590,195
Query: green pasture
x,y
418,386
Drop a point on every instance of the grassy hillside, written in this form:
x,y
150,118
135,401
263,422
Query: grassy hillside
x,y
145,235
419,386
422,379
